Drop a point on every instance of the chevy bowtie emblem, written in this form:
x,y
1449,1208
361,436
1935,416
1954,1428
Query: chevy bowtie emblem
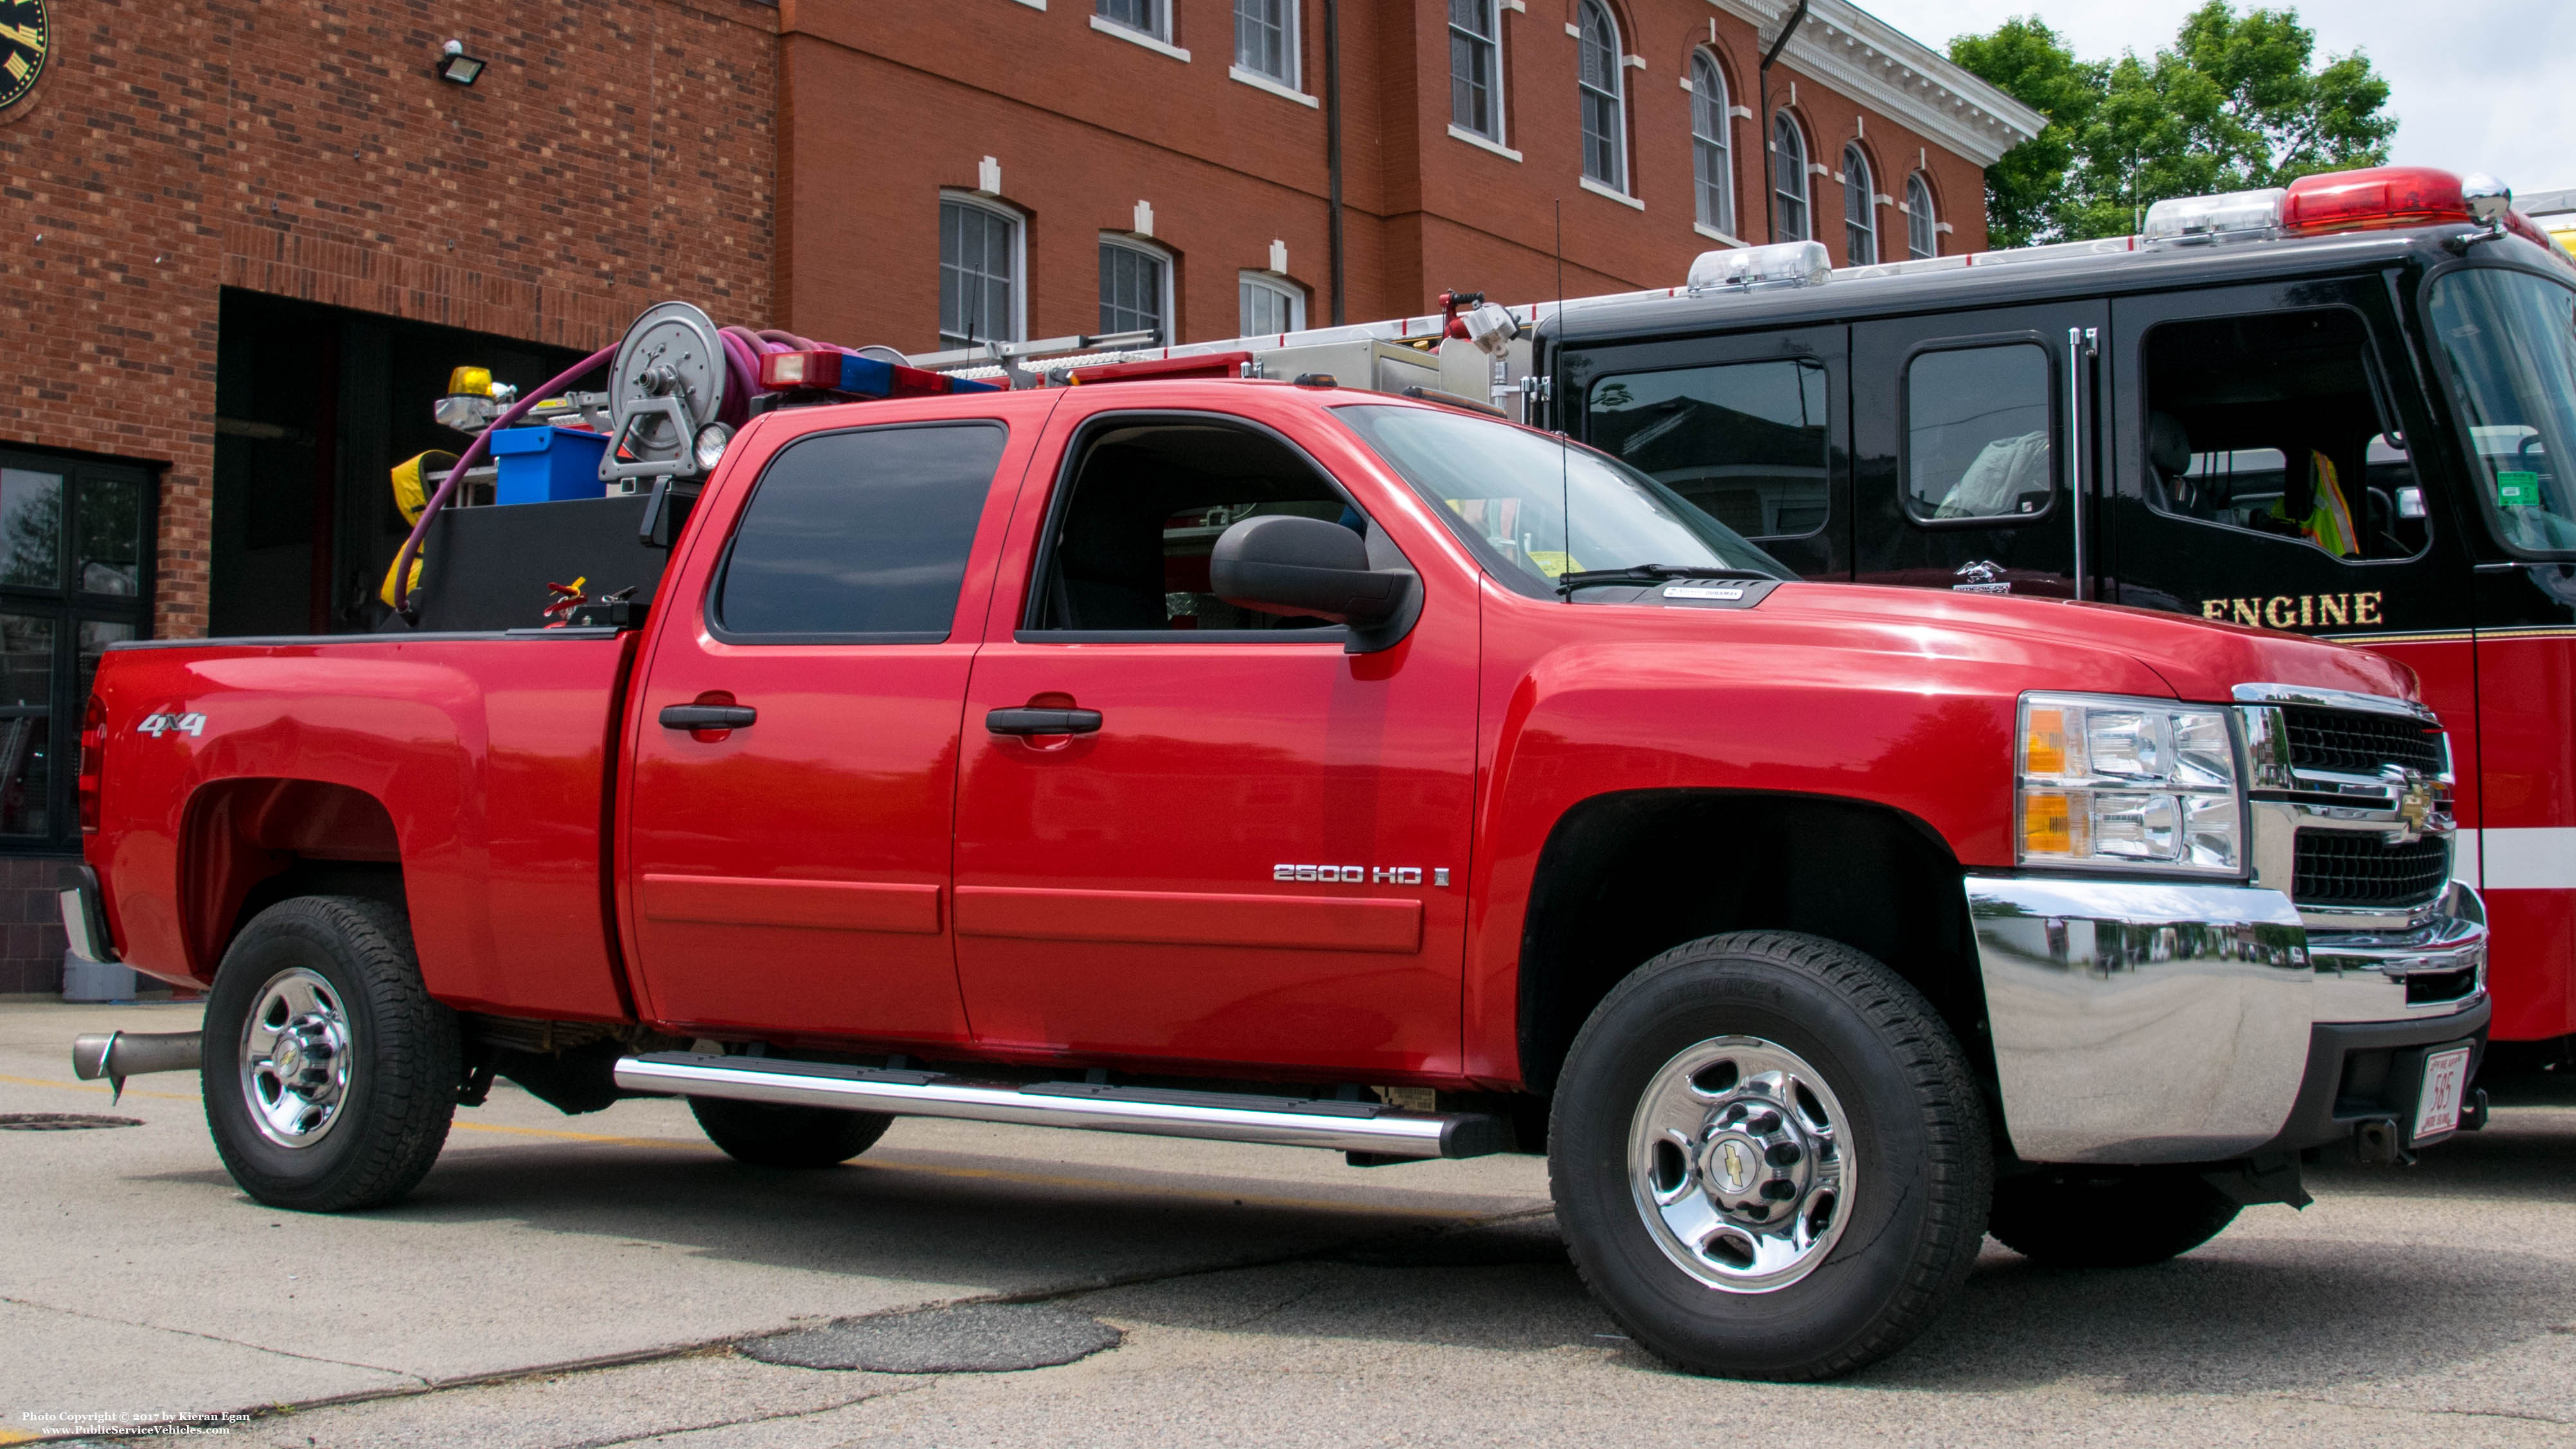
x,y
2417,800
1734,1153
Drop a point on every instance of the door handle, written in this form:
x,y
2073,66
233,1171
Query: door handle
x,y
1042,721
708,716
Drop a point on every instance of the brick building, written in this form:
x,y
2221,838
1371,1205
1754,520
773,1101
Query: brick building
x,y
244,243
1199,137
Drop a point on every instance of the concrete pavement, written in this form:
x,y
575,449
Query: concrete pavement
x,y
1266,1295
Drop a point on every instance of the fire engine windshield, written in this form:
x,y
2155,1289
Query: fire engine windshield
x,y
1512,489
2510,338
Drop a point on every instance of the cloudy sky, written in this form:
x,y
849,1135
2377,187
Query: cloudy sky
x,y
2477,85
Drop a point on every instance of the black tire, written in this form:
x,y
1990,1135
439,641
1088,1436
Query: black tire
x,y
763,1134
402,1051
2072,1217
1919,1151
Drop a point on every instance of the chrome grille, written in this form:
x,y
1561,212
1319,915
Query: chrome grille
x,y
2351,742
2361,869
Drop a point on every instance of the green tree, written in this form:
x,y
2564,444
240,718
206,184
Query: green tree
x,y
2236,102
2029,62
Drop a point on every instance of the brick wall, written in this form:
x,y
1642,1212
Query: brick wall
x,y
31,924
612,154
883,105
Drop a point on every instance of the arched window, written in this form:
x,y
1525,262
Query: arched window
x,y
1922,238
1605,130
1860,211
1135,288
1788,179
1269,304
980,263
1712,160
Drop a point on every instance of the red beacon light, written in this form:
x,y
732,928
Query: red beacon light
x,y
1203,365
826,370
2374,199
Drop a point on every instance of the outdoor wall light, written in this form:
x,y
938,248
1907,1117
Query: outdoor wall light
x,y
456,66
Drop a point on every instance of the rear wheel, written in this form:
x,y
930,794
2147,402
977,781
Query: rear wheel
x,y
2094,1218
763,1134
329,1074
1768,1157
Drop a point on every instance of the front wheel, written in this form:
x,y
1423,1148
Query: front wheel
x,y
1768,1157
763,1134
329,1074
2074,1217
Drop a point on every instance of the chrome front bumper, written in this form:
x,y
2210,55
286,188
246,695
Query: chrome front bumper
x,y
2143,1021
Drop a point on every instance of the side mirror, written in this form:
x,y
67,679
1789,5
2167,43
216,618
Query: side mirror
x,y
1286,564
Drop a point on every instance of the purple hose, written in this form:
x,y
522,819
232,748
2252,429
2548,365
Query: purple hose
x,y
480,446
742,374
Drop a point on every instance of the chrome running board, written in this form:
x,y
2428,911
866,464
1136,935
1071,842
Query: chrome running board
x,y
1369,1128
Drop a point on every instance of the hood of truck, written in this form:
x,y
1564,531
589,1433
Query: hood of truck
x,y
2200,660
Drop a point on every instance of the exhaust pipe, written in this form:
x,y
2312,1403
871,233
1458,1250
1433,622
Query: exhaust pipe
x,y
117,1055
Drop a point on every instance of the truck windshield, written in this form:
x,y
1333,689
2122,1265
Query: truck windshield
x,y
1512,488
2510,338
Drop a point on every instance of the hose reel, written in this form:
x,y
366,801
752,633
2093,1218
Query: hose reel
x,y
666,390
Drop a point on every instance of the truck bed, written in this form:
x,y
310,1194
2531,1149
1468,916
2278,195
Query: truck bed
x,y
477,762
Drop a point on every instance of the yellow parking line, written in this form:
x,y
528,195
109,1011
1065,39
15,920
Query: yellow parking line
x,y
95,1087
996,1174
555,1132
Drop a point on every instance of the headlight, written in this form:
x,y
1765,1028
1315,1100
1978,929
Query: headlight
x,y
2104,780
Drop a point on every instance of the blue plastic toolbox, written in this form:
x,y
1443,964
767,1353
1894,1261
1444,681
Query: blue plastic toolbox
x,y
546,464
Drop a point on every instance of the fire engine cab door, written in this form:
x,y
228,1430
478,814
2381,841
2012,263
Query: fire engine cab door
x,y
1975,440
1248,846
2262,475
789,815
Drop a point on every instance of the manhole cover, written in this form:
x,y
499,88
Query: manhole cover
x,y
972,1338
60,1121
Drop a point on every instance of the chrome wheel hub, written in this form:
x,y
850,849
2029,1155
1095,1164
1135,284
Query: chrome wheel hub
x,y
1739,1165
295,1060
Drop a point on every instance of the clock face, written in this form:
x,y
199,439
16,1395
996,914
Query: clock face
x,y
26,37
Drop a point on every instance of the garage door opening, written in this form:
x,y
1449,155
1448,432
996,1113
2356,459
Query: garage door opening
x,y
314,405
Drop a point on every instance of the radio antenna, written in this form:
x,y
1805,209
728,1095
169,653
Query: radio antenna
x,y
1564,446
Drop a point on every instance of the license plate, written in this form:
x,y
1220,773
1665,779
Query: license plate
x,y
2446,1083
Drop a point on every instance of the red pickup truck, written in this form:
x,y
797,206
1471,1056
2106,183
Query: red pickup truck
x,y
1294,764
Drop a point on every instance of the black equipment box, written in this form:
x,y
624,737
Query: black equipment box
x,y
488,568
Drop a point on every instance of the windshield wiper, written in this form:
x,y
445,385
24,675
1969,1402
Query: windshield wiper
x,y
1652,574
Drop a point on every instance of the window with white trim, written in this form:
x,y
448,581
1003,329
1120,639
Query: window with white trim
x,y
1265,38
1597,71
1788,179
1922,237
1153,17
1712,159
1135,288
1475,68
1860,210
1270,305
980,250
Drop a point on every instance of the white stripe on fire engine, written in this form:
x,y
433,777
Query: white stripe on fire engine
x,y
2527,859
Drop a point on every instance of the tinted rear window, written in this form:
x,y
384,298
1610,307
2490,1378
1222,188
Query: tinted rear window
x,y
860,536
